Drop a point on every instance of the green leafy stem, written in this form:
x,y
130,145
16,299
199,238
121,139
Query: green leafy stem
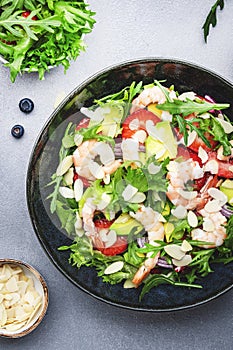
x,y
211,19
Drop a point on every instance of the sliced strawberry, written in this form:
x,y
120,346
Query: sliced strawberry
x,y
83,123
187,153
199,183
142,116
225,169
103,223
198,142
117,248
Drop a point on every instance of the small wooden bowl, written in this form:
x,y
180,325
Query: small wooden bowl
x,y
40,287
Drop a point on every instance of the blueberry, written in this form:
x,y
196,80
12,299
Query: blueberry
x,y
26,105
17,131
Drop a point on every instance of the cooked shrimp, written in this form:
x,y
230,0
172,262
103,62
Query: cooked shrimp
x,y
179,175
155,230
146,97
213,230
95,160
91,231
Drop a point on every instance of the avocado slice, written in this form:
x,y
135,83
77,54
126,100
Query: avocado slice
x,y
124,224
154,147
161,136
113,115
227,188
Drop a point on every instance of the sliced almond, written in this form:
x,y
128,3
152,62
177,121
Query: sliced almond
x,y
105,152
203,155
66,192
228,127
129,192
78,222
134,124
186,260
107,179
218,195
212,166
192,219
114,267
111,238
213,206
11,285
3,315
78,189
64,166
78,139
130,149
180,212
187,95
188,194
96,170
191,138
165,115
208,225
96,115
140,136
154,169
68,177
129,284
174,250
139,197
103,234
14,326
186,246
104,202
34,312
160,153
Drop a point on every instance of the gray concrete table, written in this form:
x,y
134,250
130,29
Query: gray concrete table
x,y
124,30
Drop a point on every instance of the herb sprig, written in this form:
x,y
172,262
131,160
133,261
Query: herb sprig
x,y
211,19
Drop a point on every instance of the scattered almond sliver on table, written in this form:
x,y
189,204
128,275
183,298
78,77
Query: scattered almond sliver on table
x,y
19,300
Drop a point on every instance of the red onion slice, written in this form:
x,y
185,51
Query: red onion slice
x,y
226,211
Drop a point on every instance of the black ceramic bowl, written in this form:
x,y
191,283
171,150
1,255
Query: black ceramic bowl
x,y
44,160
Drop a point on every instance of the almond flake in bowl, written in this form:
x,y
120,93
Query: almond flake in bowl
x,y
23,298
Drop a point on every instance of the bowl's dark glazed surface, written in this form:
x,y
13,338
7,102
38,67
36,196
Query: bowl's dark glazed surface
x,y
44,160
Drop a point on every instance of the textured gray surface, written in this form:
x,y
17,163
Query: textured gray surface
x,y
124,30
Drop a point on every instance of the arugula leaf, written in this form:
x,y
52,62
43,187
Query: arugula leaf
x,y
81,252
92,133
125,96
188,106
212,18
136,178
56,180
67,217
201,260
219,135
132,257
229,231
156,280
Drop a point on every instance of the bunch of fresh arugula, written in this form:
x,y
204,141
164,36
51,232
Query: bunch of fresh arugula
x,y
36,35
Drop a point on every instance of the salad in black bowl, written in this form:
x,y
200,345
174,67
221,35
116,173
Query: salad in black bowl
x,y
138,210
